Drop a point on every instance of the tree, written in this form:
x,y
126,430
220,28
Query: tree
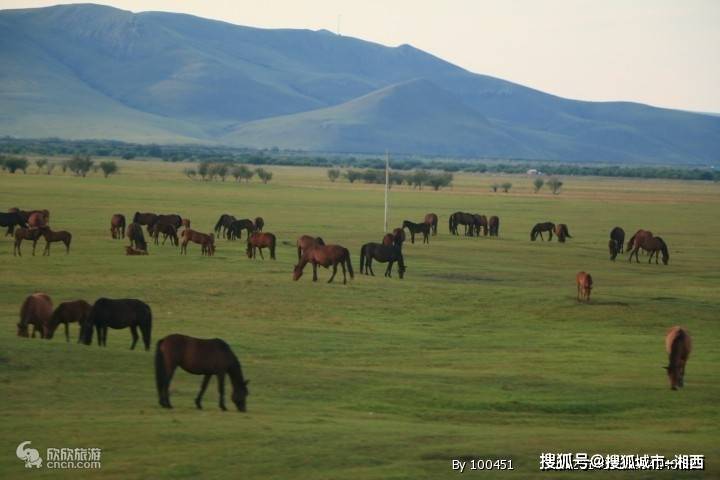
x,y
203,169
420,178
15,163
190,173
108,167
440,180
333,174
506,187
40,163
264,175
128,156
219,170
49,168
80,165
241,172
494,187
353,175
538,184
554,184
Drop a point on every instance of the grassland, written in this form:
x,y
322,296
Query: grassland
x,y
481,352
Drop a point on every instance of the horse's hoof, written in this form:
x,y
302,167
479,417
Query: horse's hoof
x,y
198,405
222,407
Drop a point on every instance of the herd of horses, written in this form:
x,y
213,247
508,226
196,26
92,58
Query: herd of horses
x,y
31,226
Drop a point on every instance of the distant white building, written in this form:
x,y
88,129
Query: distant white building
x,y
533,171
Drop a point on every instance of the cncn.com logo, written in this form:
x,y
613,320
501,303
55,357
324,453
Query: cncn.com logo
x,y
59,458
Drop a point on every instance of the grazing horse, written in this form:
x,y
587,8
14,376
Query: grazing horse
x,y
432,220
381,253
584,286
678,345
36,310
223,224
461,218
542,227
478,222
200,357
162,220
135,234
134,251
617,242
25,234
206,241
167,231
259,240
117,314
644,239
561,230
324,255
494,226
59,236
69,312
259,224
236,228
147,219
11,220
305,242
414,228
117,226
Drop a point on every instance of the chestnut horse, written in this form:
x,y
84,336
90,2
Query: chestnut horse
x,y
644,239
414,228
396,238
584,286
199,356
561,230
305,242
117,226
494,226
259,240
117,314
432,220
69,312
206,241
25,234
539,228
36,310
37,220
135,234
381,253
617,242
324,255
678,345
59,236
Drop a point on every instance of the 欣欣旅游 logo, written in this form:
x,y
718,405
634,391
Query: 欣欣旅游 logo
x,y
30,456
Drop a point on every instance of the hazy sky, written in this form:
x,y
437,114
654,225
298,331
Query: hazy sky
x,y
661,52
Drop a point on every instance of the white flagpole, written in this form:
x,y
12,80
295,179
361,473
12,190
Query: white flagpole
x,y
387,182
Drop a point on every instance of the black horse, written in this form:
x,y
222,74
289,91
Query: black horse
x,y
11,220
461,218
223,224
414,228
236,228
617,242
494,226
120,313
548,227
381,253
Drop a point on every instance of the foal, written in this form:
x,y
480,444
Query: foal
x,y
59,236
25,234
584,286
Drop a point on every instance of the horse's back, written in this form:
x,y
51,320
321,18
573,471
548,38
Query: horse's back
x,y
120,313
36,307
198,355
680,338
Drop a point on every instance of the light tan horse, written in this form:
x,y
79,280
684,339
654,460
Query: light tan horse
x,y
678,345
584,286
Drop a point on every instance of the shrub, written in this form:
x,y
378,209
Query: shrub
x,y
333,174
506,187
554,184
264,175
41,163
538,184
241,172
108,167
80,165
13,164
494,187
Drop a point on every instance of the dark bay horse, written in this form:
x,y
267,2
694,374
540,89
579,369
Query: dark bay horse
x,y
135,235
117,314
305,242
325,256
479,221
167,231
117,226
199,356
561,230
414,228
56,236
432,220
146,219
32,234
644,239
678,345
11,220
259,240
494,226
617,242
223,224
236,228
461,218
383,254
164,220
539,228
259,224
36,310
584,283
70,312
207,242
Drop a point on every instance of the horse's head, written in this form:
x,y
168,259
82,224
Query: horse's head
x,y
297,272
664,249
22,330
239,396
675,375
614,249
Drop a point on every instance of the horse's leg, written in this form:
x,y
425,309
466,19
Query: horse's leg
x,y
369,265
221,389
388,270
314,272
412,237
200,394
133,332
334,273
67,331
166,386
67,247
34,245
342,264
259,250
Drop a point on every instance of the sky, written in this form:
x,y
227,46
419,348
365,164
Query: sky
x,y
660,52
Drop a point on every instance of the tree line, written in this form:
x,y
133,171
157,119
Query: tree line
x,y
79,165
416,179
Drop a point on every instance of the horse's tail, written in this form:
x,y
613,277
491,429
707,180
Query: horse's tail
x,y
565,231
349,265
450,223
160,373
631,242
362,259
273,240
533,233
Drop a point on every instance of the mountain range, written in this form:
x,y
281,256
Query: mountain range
x,y
89,71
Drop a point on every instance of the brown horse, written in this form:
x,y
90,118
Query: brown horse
x,y
305,242
167,231
145,218
394,239
36,310
539,228
69,312
171,219
678,345
117,226
461,218
134,251
324,255
414,228
561,230
432,220
199,356
207,242
37,220
644,239
59,236
259,224
494,226
135,234
186,223
25,234
259,240
584,286
479,221
25,214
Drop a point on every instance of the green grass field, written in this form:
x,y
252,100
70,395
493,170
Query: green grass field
x,y
481,351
